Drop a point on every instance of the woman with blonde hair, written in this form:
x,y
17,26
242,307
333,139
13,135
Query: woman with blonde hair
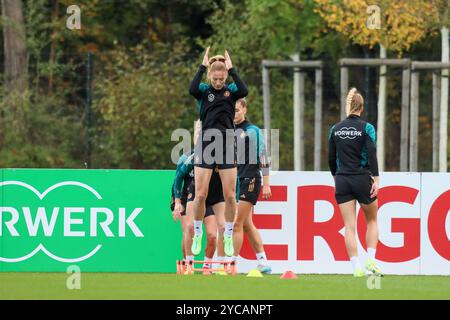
x,y
252,164
353,163
216,102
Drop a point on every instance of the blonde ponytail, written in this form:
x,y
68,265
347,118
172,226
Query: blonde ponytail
x,y
354,102
348,104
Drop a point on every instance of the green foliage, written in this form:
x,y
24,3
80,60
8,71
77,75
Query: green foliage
x,y
41,137
142,97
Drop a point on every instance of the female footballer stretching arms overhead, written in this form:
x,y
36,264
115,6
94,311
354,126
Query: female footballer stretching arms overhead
x,y
216,103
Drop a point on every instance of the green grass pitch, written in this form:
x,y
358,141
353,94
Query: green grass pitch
x,y
173,287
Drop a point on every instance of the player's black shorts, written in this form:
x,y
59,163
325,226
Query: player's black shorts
x,y
357,186
215,191
209,209
249,189
209,154
183,202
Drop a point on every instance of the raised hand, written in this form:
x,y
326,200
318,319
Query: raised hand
x,y
228,63
206,58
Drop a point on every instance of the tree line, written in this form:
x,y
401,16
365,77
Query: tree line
x,y
110,94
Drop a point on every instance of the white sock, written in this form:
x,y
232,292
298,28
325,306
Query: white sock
x,y
190,258
220,259
207,263
198,227
261,257
371,253
355,263
228,229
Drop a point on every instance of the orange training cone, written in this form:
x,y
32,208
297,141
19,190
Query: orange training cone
x,y
288,275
